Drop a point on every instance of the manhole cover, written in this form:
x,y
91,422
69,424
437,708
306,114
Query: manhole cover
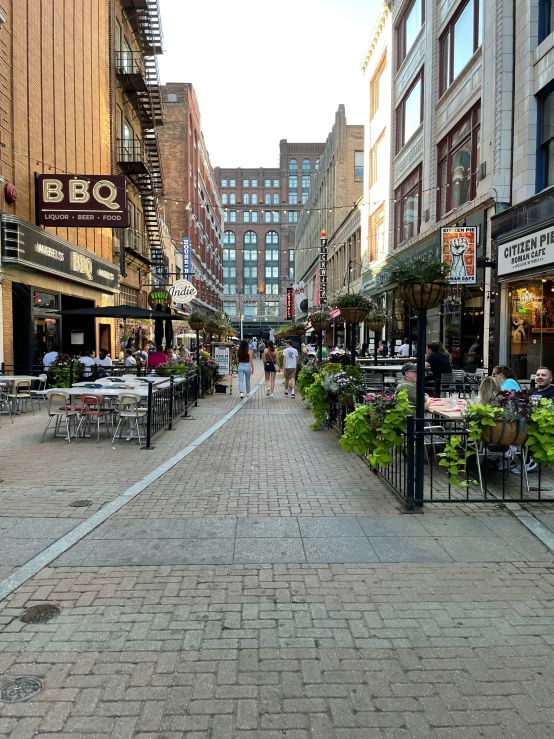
x,y
21,689
40,614
81,503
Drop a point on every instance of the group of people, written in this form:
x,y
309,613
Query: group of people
x,y
270,358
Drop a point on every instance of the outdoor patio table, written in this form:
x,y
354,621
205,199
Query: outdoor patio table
x,y
441,408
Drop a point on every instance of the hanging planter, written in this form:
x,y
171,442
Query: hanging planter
x,y
422,295
196,321
506,434
320,320
376,321
353,315
354,307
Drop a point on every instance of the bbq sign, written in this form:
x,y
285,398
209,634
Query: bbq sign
x,y
82,201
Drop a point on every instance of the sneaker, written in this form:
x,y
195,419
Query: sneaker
x,y
268,392
272,395
242,395
292,393
286,392
530,467
505,463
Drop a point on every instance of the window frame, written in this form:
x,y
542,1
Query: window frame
x,y
448,32
401,193
401,140
375,219
401,50
474,115
375,87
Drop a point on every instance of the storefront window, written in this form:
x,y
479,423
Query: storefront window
x,y
531,316
46,336
46,300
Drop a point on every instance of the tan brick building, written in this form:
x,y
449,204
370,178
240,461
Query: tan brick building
x,y
54,118
192,204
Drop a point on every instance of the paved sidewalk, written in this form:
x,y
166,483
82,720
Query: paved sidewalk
x,y
265,587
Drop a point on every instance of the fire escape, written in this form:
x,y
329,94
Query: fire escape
x,y
137,73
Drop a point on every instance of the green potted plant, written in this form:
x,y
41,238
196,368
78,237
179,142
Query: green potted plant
x,y
320,394
64,370
374,429
376,319
305,378
296,328
320,319
196,320
349,384
421,284
353,307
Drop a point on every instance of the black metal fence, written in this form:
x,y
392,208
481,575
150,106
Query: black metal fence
x,y
172,400
488,475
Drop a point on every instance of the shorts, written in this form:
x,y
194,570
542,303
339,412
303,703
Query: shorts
x,y
269,366
290,374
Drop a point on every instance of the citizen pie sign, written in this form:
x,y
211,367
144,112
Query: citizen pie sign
x,y
182,291
82,201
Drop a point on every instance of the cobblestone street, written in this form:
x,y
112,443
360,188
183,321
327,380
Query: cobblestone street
x,y
263,586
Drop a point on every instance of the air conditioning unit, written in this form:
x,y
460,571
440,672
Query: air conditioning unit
x,y
482,171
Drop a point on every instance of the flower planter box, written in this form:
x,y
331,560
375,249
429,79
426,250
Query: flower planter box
x,y
506,434
347,402
422,295
353,315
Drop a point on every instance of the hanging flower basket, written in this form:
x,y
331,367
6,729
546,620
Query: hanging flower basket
x,y
195,321
506,434
353,315
320,325
375,325
422,295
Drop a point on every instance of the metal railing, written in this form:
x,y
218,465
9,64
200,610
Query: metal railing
x,y
167,403
129,62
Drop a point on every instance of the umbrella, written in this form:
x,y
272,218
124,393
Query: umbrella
x,y
168,333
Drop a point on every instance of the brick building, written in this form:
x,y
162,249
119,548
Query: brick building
x,y
261,209
192,205
55,118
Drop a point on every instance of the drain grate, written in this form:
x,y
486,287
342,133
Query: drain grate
x,y
40,614
21,689
81,503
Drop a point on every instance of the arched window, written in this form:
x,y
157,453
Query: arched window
x,y
293,165
267,199
250,263
246,198
229,263
254,198
316,166
275,198
230,239
306,165
224,199
232,199
250,238
272,263
271,239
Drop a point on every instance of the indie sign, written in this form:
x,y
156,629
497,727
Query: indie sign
x,y
84,201
183,291
323,270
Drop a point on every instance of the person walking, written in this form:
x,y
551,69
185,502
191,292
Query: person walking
x,y
261,348
245,367
290,359
271,367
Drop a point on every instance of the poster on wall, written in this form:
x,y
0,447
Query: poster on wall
x,y
222,357
299,295
458,250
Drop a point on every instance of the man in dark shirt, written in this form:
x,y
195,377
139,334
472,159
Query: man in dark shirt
x,y
543,383
438,362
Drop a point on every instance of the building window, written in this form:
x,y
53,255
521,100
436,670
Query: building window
x,y
306,165
291,264
250,239
407,208
229,272
246,216
230,308
223,183
459,42
293,198
246,183
272,262
251,289
377,160
293,165
232,199
254,198
306,183
267,216
245,199
275,183
377,89
293,216
225,217
409,27
275,216
272,308
316,165
224,199
376,234
233,216
272,289
250,273
232,183
267,183
229,239
459,154
271,272
358,166
275,198
254,218
254,183
267,198
304,197
409,114
250,255
293,182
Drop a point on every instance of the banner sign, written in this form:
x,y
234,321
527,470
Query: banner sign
x,y
316,288
84,201
183,291
222,357
323,271
159,297
298,288
458,250
46,252
187,257
290,303
535,250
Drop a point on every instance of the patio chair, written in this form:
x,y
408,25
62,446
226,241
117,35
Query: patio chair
x,y
462,382
432,440
5,402
64,414
372,382
130,411
447,383
42,379
21,393
92,409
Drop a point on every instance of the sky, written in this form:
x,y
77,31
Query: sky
x,y
263,72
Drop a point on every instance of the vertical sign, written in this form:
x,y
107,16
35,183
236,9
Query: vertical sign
x,y
290,303
222,357
458,250
316,288
187,258
323,268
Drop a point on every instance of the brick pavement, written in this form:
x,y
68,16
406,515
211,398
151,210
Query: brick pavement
x,y
260,651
